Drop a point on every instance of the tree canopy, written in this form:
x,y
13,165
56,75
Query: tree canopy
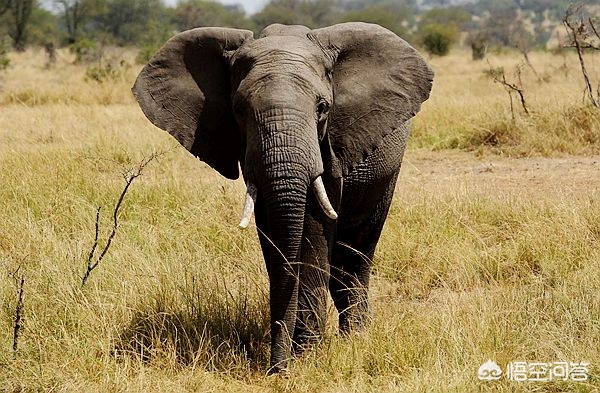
x,y
150,22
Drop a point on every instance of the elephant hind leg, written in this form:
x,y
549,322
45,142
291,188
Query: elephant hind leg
x,y
351,263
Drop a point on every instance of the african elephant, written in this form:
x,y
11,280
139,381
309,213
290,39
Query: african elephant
x,y
318,121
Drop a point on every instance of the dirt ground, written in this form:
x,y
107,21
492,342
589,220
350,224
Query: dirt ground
x,y
537,177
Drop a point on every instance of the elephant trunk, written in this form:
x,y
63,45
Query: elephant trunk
x,y
318,188
285,201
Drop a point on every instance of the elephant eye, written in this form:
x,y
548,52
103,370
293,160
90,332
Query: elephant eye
x,y
322,107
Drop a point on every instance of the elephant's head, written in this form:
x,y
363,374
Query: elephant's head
x,y
290,108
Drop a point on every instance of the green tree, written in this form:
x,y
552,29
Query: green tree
x,y
128,21
499,26
439,28
438,39
20,11
455,16
43,27
316,13
394,20
75,13
437,3
197,13
4,6
396,6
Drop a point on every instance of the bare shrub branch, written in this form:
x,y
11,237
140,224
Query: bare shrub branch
x,y
499,76
594,29
581,34
18,320
129,175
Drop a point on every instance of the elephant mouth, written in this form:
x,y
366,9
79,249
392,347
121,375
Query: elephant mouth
x,y
317,186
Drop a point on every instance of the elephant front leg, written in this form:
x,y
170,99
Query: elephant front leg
x,y
283,298
313,286
316,249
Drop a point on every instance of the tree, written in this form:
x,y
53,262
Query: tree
x,y
20,10
381,15
75,13
438,39
439,28
455,16
197,13
4,6
313,14
499,27
42,28
392,5
478,41
437,3
128,21
584,33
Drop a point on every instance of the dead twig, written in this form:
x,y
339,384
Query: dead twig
x,y
578,31
18,321
499,76
595,30
129,176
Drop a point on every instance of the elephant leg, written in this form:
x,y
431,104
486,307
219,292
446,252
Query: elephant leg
x,y
313,287
317,245
283,279
351,262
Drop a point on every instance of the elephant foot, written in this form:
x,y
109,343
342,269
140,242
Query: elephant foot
x,y
277,369
353,322
304,343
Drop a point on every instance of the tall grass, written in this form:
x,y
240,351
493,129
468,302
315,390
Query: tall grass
x,y
468,111
481,258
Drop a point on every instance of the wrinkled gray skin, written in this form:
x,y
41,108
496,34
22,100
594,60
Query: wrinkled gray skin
x,y
289,106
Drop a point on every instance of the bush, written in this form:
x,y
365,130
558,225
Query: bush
x,y
479,43
438,39
106,73
85,51
4,48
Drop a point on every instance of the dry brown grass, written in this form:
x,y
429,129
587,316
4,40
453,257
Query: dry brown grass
x,y
467,110
483,256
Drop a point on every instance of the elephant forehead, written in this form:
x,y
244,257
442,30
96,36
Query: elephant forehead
x,y
273,49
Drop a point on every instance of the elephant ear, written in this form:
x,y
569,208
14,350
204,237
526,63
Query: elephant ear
x,y
379,83
185,90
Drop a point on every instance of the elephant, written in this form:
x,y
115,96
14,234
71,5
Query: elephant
x,y
317,121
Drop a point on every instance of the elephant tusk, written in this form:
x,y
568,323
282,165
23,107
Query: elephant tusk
x,y
322,198
248,205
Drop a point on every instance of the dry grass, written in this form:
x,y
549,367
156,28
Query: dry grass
x,y
467,110
482,257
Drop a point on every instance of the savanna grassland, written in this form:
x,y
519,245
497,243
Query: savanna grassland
x,y
491,250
